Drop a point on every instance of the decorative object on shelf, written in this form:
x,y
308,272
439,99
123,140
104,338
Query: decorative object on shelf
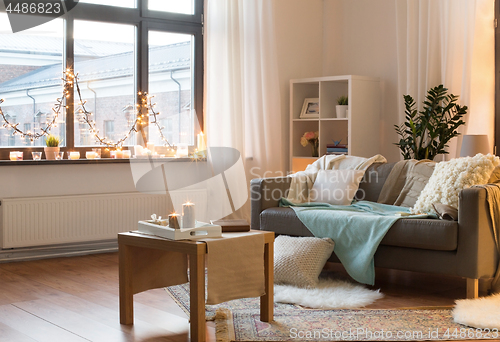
x,y
36,155
52,147
342,106
473,144
188,215
310,108
16,155
173,221
59,155
425,134
313,139
97,153
68,88
90,155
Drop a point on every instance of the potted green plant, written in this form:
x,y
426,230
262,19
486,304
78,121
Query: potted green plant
x,y
342,105
425,134
52,147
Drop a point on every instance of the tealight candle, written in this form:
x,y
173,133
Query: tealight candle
x,y
74,155
14,155
119,154
112,154
150,146
173,221
188,216
90,155
182,151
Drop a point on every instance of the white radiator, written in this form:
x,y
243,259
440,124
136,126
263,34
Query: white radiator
x,y
42,221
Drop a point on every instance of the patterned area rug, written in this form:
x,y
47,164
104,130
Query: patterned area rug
x,y
238,320
180,294
344,325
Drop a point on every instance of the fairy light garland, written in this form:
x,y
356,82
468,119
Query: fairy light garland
x,y
70,81
32,136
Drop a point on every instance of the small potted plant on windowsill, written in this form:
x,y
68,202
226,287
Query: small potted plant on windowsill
x,y
342,105
52,147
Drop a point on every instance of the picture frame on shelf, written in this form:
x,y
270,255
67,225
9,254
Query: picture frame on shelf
x,y
310,108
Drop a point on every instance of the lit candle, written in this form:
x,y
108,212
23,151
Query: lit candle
x,y
138,150
151,146
90,155
182,151
74,155
119,154
201,144
173,221
112,154
127,154
188,216
14,155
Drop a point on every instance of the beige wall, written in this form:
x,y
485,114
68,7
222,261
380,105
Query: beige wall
x,y
360,39
299,35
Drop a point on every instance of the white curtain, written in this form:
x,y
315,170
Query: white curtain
x,y
448,42
242,86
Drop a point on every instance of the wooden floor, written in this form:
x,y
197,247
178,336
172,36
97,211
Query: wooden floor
x,y
76,299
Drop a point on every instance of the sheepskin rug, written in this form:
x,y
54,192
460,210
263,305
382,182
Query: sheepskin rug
x,y
483,313
328,294
452,176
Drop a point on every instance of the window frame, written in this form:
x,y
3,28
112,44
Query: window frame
x,y
144,20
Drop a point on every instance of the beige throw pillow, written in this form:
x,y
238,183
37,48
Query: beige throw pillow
x,y
416,180
336,186
298,261
450,177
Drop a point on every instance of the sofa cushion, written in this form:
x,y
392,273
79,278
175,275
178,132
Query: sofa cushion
x,y
298,261
430,234
373,181
336,186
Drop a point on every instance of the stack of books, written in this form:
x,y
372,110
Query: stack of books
x,y
336,149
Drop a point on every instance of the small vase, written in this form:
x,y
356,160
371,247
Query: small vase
x,y
314,149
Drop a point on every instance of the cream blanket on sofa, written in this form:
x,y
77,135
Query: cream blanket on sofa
x,y
303,181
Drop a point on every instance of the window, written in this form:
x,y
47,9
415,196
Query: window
x,y
118,48
27,128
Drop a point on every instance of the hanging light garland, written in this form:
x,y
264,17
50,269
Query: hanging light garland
x,y
32,136
69,82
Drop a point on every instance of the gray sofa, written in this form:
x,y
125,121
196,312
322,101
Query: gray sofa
x,y
465,248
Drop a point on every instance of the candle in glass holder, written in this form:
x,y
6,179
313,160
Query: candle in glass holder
x,y
119,154
127,154
90,155
182,151
112,154
173,221
16,155
74,155
188,216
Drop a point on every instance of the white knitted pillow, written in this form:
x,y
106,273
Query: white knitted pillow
x,y
450,177
298,261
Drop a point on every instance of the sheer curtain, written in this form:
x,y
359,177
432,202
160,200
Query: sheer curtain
x,y
242,86
448,42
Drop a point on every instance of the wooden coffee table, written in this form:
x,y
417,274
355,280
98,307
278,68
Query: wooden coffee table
x,y
150,273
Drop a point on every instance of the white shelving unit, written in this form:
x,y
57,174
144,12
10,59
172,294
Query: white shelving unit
x,y
360,130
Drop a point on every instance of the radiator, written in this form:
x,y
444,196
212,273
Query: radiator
x,y
40,221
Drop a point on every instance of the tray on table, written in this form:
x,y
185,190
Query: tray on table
x,y
201,230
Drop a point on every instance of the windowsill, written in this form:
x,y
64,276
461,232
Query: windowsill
x,y
94,161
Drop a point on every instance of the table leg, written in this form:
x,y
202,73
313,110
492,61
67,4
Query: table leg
x,y
125,283
267,300
197,295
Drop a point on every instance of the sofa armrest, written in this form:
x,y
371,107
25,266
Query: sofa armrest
x,y
476,249
266,193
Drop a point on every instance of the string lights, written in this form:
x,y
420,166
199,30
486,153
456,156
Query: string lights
x,y
70,81
32,136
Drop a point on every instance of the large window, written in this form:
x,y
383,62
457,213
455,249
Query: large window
x,y
118,48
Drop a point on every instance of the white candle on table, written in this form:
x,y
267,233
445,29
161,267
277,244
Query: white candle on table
x,y
188,215
74,155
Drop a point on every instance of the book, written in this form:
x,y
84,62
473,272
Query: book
x,y
336,145
232,225
332,149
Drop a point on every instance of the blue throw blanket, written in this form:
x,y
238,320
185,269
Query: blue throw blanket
x,y
357,230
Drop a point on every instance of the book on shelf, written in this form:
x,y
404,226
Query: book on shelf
x,y
336,145
335,153
336,149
